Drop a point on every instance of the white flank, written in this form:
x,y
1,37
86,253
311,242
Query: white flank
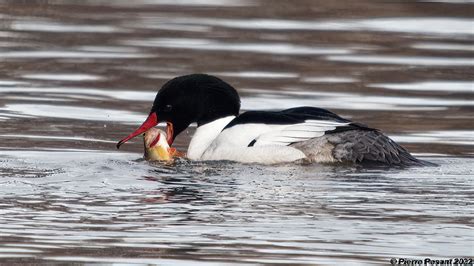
x,y
270,146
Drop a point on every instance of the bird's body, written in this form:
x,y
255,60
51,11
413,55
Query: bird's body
x,y
302,133
306,133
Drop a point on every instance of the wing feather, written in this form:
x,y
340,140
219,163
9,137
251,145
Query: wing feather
x,y
288,134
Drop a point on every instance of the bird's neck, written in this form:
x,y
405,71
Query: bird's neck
x,y
205,135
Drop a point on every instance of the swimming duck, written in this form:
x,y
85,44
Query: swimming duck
x,y
268,137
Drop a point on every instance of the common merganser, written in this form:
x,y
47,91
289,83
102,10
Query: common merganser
x,y
267,137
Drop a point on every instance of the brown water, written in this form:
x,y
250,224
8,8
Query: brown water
x,y
75,78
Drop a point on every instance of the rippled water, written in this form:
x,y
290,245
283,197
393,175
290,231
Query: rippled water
x,y
77,76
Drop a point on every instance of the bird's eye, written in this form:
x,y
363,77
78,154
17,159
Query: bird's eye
x,y
167,108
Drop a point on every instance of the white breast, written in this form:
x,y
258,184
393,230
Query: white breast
x,y
205,135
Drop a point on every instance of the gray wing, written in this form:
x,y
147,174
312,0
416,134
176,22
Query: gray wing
x,y
370,146
358,146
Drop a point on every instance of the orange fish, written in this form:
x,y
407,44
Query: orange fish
x,y
156,146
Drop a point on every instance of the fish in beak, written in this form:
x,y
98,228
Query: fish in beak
x,y
150,122
156,146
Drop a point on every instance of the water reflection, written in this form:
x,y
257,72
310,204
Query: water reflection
x,y
404,60
64,77
72,112
459,137
64,138
443,46
228,3
414,25
68,93
267,99
35,25
447,86
213,45
329,80
259,75
28,54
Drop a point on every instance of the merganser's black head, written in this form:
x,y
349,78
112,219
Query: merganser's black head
x,y
186,99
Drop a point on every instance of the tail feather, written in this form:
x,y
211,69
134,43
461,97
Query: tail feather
x,y
371,147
